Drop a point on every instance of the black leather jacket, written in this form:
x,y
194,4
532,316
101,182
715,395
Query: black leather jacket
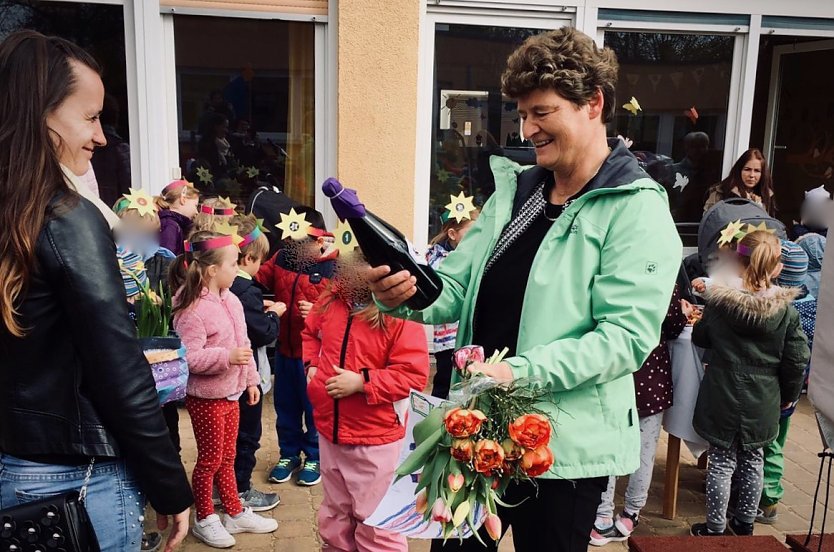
x,y
77,384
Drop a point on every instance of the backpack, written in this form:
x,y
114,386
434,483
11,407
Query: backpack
x,y
267,203
727,211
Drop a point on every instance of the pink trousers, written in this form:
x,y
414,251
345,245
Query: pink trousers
x,y
355,479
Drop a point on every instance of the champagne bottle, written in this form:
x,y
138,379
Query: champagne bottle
x,y
382,244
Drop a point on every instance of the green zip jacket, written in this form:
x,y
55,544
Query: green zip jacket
x,y
597,294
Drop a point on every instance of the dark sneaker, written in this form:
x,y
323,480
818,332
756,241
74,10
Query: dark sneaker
x,y
151,542
259,501
626,523
701,530
767,515
740,529
285,469
601,537
310,475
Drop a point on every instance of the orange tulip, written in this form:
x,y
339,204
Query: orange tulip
x,y
455,482
422,502
493,526
462,423
531,431
489,456
462,450
536,462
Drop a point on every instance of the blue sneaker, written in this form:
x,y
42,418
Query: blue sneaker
x,y
285,469
311,474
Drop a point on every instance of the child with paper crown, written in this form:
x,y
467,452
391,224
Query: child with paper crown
x,y
795,263
759,355
177,205
461,213
262,322
297,275
360,365
212,211
210,321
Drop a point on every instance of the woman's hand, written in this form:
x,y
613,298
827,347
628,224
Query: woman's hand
x,y
179,528
254,395
304,307
240,356
344,384
311,373
501,372
687,308
392,290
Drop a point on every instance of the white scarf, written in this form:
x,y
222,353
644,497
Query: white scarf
x,y
84,191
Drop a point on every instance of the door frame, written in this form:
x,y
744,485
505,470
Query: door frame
x,y
774,94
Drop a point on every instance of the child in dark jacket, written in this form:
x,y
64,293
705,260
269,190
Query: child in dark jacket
x,y
297,275
262,322
759,355
653,387
177,206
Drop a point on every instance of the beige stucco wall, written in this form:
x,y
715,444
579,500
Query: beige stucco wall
x,y
377,58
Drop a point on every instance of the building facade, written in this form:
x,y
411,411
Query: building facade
x,y
401,98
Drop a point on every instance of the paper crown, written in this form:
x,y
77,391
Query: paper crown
x,y
140,201
227,211
737,230
293,225
229,230
175,185
460,208
211,243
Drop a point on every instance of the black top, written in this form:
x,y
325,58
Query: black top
x,y
501,295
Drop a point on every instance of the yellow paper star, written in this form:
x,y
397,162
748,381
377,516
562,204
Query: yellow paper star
x,y
293,225
141,201
760,228
227,203
730,232
633,106
204,175
461,207
345,239
228,230
252,172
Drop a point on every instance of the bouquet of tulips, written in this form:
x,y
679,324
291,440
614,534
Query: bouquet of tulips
x,y
470,451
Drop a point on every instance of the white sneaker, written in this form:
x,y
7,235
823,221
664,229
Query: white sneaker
x,y
249,522
212,532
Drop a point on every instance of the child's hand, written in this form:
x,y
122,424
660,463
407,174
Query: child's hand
x,y
278,308
304,307
240,356
699,285
687,308
268,303
254,395
311,373
344,384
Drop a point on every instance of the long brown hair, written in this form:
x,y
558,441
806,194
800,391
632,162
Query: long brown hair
x,y
36,76
765,255
452,224
188,273
734,184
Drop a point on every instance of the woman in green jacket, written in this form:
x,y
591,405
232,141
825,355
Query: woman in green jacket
x,y
570,265
759,355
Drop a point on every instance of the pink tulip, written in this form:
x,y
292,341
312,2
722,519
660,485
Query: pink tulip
x,y
422,502
441,512
455,482
493,526
467,355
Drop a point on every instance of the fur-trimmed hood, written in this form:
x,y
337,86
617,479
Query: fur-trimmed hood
x,y
751,312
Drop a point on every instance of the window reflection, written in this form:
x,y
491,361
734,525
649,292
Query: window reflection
x,y
246,101
99,29
472,120
681,83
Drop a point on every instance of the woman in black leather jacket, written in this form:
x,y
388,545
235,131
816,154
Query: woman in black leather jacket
x,y
74,384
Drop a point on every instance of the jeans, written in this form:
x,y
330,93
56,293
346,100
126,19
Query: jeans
x,y
248,441
294,411
114,502
637,492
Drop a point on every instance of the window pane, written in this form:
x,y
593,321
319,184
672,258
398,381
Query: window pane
x,y
472,120
100,30
246,98
682,85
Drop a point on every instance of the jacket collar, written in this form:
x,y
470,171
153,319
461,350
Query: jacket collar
x,y
752,311
206,295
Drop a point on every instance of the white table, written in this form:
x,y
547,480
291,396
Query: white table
x,y
687,373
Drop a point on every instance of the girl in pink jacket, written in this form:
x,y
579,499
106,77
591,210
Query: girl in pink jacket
x,y
209,320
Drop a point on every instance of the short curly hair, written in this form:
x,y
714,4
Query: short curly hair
x,y
566,61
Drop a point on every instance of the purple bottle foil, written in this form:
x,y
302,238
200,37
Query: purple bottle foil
x,y
344,200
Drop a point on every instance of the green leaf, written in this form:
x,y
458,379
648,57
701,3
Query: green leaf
x,y
426,428
419,455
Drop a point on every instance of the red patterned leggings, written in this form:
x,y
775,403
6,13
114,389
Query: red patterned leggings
x,y
215,423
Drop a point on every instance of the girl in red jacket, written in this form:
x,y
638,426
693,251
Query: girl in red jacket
x,y
359,364
209,319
